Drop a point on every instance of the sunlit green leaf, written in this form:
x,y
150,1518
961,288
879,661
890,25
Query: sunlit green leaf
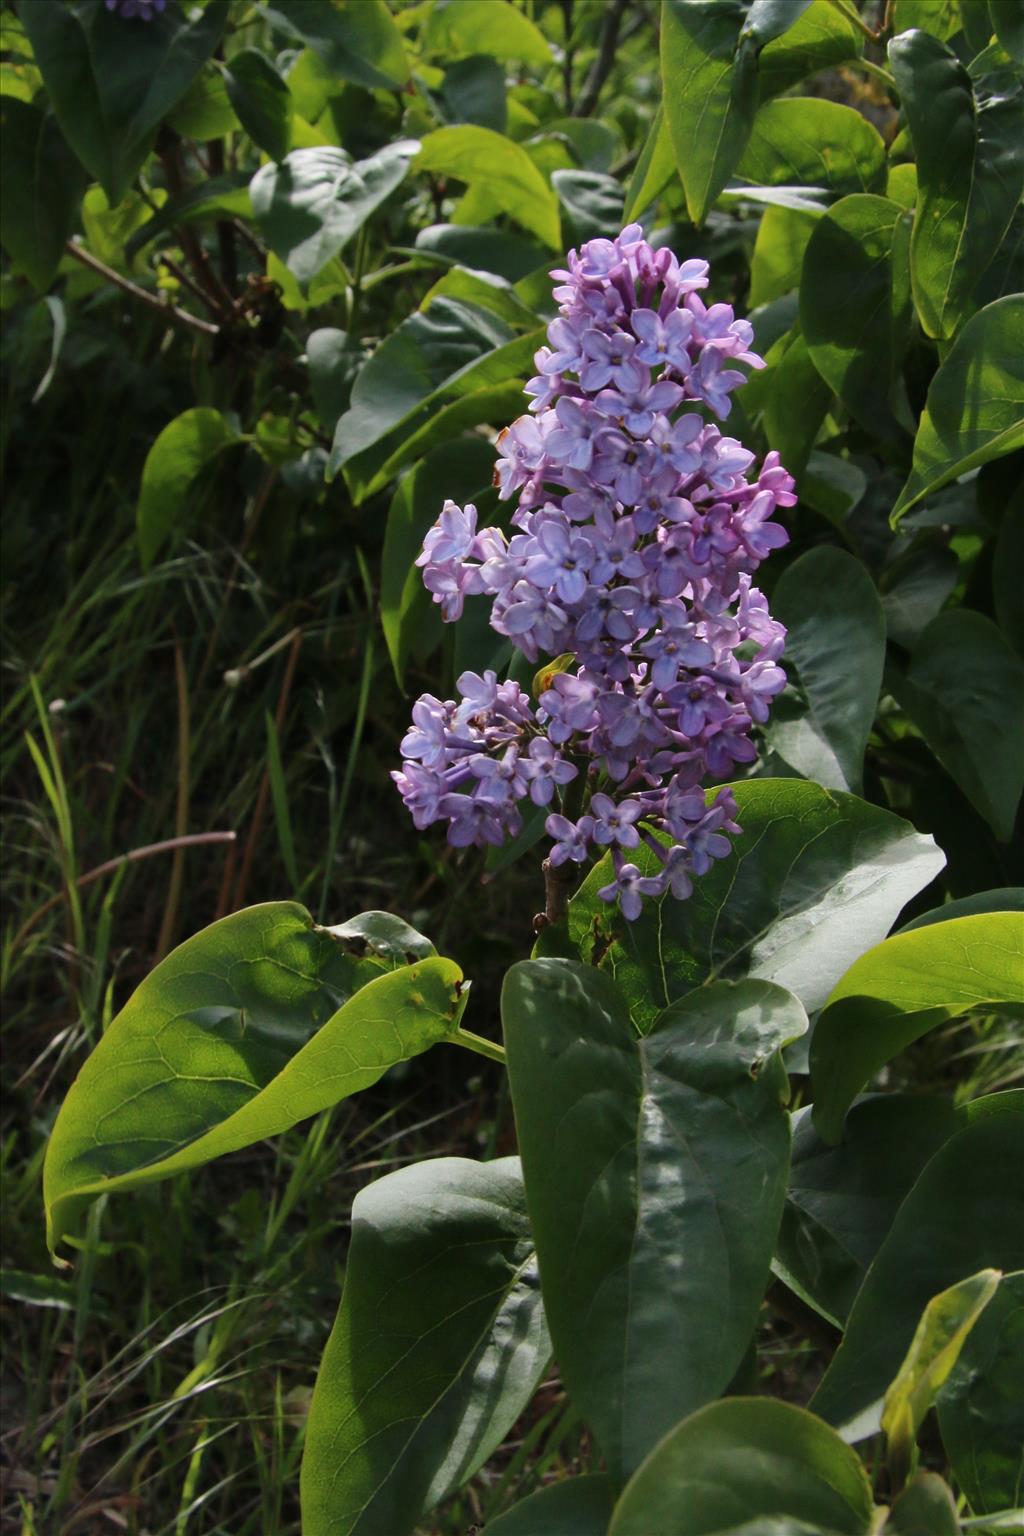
x,y
254,1024
437,1347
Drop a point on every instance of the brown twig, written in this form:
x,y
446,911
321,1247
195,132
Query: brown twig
x,y
170,311
190,283
602,65
558,887
193,840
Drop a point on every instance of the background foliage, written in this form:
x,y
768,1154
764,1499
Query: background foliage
x,y
274,275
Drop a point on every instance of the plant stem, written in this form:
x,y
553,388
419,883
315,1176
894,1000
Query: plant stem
x,y
489,1048
558,884
169,311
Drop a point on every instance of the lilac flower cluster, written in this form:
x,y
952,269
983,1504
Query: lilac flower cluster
x,y
637,530
145,10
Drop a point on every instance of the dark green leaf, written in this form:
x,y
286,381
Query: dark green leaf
x,y
224,196
1009,898
965,1211
437,1347
938,17
579,1506
970,172
963,690
595,144
815,879
654,169
311,205
853,304
410,619
836,641
474,92
1007,21
511,256
740,1459
1007,565
914,591
442,370
945,1325
592,200
334,360
112,82
262,101
981,1407
926,1507
809,141
254,1024
820,38
183,449
975,409
475,155
842,1200
900,989
358,42
41,185
655,1175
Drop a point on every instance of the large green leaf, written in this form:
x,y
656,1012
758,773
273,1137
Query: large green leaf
x,y
654,169
112,83
945,1324
709,52
842,1200
262,100
578,1506
257,1022
182,450
853,304
410,619
655,1175
740,1459
964,690
437,1347
815,878
820,37
356,39
981,1406
975,408
444,369
793,398
479,155
310,205
965,1212
778,258
485,26
900,989
809,141
510,255
836,641
41,185
969,150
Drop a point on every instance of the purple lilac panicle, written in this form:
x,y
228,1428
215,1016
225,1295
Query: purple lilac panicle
x,y
144,10
637,531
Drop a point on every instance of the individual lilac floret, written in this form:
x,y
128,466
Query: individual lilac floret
x,y
144,10
634,541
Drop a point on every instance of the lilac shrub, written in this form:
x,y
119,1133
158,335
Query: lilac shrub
x,y
637,530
